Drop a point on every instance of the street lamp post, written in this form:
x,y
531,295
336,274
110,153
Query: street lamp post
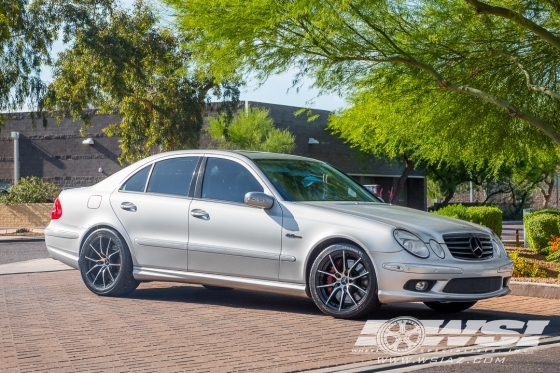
x,y
15,136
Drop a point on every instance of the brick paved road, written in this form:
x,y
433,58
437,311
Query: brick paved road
x,y
51,322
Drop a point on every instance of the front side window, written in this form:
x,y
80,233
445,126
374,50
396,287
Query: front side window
x,y
137,182
301,180
227,180
173,176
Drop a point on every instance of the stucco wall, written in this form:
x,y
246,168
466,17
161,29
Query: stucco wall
x,y
27,215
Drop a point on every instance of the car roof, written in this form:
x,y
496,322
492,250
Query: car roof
x,y
245,153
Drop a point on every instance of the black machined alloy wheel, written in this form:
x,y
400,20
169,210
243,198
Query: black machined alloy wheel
x,y
106,264
342,282
450,307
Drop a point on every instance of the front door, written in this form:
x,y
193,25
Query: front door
x,y
155,213
227,236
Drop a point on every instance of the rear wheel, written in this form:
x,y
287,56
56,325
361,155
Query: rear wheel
x,y
342,282
450,307
106,265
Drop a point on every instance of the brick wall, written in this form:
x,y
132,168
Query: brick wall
x,y
27,215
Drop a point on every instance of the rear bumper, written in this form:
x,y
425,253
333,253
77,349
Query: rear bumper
x,y
63,242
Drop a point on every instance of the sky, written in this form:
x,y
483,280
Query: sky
x,y
276,90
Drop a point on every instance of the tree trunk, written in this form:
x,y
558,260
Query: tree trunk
x,y
547,192
448,198
408,166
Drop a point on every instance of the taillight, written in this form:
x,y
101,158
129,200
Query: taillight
x,y
56,210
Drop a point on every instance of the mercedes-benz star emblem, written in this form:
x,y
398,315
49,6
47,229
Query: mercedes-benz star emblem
x,y
476,247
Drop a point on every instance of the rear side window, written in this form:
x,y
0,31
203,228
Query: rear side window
x,y
138,181
173,176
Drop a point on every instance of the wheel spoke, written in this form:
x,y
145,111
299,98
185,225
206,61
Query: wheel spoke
x,y
325,286
103,276
334,266
359,288
341,300
116,252
92,268
359,276
108,246
97,275
351,297
110,274
343,262
326,273
100,256
353,265
93,260
330,296
101,244
114,265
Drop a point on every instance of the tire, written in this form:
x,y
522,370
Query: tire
x,y
216,288
450,307
106,265
342,282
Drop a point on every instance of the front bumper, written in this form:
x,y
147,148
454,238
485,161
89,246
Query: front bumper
x,y
394,270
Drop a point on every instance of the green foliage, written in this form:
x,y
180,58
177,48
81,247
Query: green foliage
x,y
448,71
252,131
487,216
27,31
127,63
524,268
30,190
541,227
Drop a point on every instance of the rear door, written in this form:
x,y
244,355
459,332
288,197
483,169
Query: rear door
x,y
153,206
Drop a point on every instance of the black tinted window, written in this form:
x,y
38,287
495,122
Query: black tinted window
x,y
173,176
228,181
138,181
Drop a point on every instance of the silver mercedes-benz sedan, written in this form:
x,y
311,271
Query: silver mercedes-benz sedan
x,y
270,222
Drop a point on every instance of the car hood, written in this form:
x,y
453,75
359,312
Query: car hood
x,y
416,221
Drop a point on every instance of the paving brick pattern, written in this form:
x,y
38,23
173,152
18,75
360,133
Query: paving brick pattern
x,y
51,322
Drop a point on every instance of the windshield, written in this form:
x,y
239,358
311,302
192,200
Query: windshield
x,y
300,180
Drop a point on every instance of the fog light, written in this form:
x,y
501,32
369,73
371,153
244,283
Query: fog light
x,y
422,285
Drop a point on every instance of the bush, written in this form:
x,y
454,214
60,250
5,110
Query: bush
x,y
30,190
524,268
541,227
487,216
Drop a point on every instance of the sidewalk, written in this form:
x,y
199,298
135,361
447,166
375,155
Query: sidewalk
x,y
20,238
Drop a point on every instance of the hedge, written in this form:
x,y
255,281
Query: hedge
x,y
487,216
541,227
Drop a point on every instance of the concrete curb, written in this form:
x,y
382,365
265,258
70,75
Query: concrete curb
x,y
535,290
15,239
33,266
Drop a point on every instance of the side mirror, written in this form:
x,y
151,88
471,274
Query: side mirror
x,y
259,199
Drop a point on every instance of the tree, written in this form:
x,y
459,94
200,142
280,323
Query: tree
x,y
26,35
126,63
253,130
498,62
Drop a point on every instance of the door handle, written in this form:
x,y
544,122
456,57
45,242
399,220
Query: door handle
x,y
201,214
128,206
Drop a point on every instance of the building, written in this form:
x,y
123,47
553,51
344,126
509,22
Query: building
x,y
57,153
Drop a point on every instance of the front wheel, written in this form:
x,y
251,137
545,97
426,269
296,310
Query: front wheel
x,y
342,282
450,307
106,265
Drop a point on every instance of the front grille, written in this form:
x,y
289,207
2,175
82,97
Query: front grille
x,y
459,245
476,285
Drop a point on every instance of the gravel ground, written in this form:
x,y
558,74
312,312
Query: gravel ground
x,y
21,251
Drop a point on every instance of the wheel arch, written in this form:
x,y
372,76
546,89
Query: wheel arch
x,y
322,245
93,228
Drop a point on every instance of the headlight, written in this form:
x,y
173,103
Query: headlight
x,y
437,249
411,243
498,246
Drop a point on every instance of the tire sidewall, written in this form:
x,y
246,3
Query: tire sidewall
x,y
126,261
371,301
